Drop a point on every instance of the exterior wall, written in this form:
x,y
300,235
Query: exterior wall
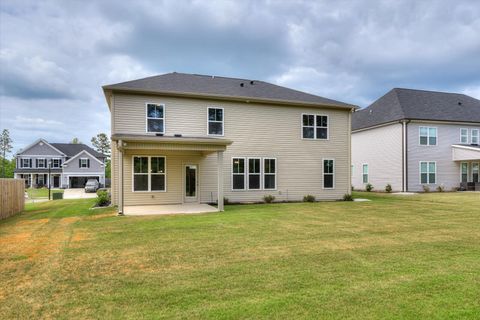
x,y
448,171
381,149
256,131
72,169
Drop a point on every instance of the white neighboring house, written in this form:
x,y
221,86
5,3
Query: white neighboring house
x,y
413,139
71,165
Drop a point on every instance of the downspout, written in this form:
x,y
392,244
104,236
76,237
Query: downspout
x,y
350,150
120,177
404,155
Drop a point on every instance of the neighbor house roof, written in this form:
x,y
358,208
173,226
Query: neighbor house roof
x,y
399,104
72,149
222,87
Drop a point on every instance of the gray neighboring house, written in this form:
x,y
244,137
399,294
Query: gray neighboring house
x,y
415,138
71,165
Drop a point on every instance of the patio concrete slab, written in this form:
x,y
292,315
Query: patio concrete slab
x,y
187,208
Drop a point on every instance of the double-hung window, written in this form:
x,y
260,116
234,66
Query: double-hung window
x,y
314,126
238,173
365,173
464,171
428,136
149,173
26,163
474,136
55,163
475,172
464,135
328,174
215,121
41,163
84,163
428,172
254,173
269,173
155,118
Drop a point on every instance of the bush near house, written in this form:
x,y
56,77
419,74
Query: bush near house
x,y
103,198
388,188
369,187
309,198
426,188
268,198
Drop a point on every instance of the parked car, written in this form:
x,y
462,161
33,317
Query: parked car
x,y
92,185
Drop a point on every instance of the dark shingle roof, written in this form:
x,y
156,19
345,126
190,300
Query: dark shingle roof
x,y
72,149
182,83
399,104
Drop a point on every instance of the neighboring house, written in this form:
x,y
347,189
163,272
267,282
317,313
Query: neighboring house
x,y
71,165
181,138
415,138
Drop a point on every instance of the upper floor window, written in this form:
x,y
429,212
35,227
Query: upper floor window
x,y
474,136
463,135
314,126
428,172
155,118
328,174
365,173
56,163
428,136
84,163
26,163
41,163
215,121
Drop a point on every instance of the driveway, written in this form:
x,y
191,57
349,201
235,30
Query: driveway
x,y
78,194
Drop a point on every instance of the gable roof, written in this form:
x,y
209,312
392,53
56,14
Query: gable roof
x,y
35,143
222,87
83,152
72,149
412,104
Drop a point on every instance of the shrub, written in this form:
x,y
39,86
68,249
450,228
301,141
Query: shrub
x,y
369,187
347,197
103,198
268,198
441,188
388,188
309,198
226,201
426,188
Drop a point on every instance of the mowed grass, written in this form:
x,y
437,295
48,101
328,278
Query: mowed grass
x,y
35,193
396,257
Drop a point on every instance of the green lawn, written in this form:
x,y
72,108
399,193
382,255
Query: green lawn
x,y
396,257
34,193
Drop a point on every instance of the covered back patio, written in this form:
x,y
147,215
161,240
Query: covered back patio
x,y
468,156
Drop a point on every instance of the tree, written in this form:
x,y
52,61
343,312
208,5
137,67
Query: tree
x,y
9,167
5,148
108,168
102,143
76,141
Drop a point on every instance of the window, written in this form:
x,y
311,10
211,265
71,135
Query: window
x,y
155,118
474,136
314,126
328,174
84,163
41,163
463,135
475,172
254,173
464,171
215,121
56,163
238,173
428,172
26,163
428,136
149,173
269,173
365,173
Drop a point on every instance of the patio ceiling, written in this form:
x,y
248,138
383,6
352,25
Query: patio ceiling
x,y
465,152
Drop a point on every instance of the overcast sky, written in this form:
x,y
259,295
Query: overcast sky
x,y
56,55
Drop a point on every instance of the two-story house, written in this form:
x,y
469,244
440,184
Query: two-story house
x,y
181,138
414,139
70,165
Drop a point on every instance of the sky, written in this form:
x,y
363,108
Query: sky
x,y
56,55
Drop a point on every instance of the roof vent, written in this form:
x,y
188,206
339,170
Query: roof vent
x,y
177,135
242,84
159,134
370,111
252,82
459,103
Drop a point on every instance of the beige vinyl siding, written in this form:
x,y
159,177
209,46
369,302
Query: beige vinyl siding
x,y
381,149
256,130
114,173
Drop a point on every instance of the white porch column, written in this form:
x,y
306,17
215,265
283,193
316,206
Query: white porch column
x,y
220,180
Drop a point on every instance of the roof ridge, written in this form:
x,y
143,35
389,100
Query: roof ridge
x,y
431,91
399,103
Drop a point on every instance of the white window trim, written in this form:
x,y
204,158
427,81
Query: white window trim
x,y
314,126
428,137
368,173
468,176
81,163
323,173
44,166
478,169
274,174
245,165
52,161
28,162
147,117
149,173
477,136
428,172
461,136
222,122
260,176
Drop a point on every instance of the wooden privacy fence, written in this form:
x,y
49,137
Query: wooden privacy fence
x,y
12,197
